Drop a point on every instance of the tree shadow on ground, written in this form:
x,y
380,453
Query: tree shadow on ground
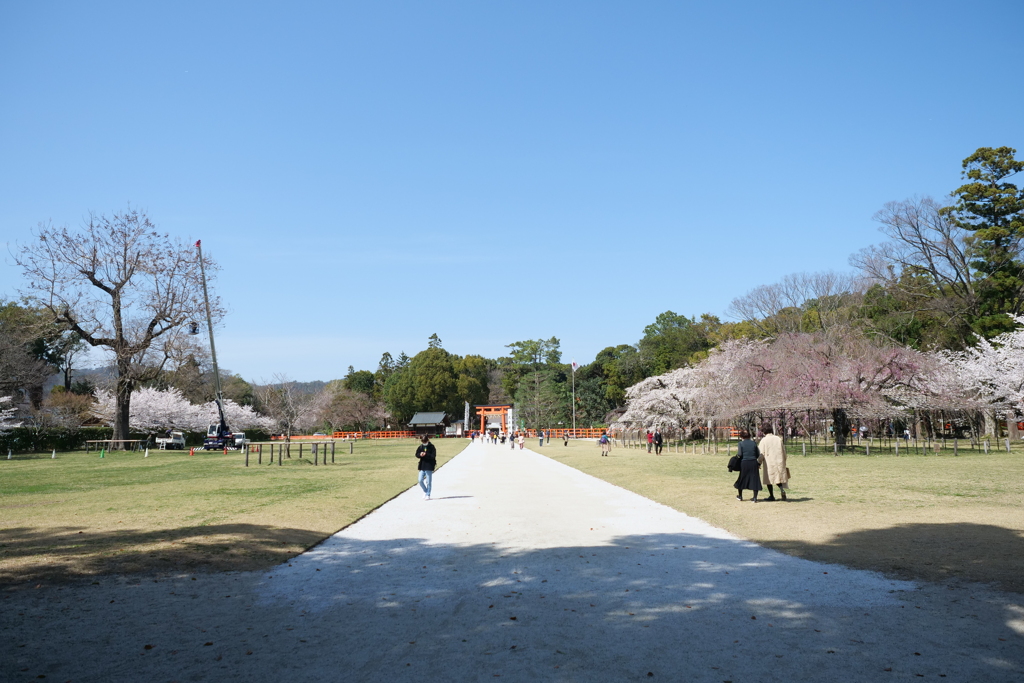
x,y
668,602
682,606
980,553
65,553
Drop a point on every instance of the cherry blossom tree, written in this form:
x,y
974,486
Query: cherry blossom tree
x,y
996,367
154,410
694,395
6,414
839,374
157,410
994,371
237,416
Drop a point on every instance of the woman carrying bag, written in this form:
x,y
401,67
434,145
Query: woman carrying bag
x,y
750,466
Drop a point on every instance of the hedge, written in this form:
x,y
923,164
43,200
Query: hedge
x,y
35,440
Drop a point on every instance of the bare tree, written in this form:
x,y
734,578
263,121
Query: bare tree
x,y
292,409
19,369
120,285
923,240
801,302
352,408
65,410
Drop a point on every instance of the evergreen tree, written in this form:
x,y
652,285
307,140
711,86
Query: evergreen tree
x,y
992,209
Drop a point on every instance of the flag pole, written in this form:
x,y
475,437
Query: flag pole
x,y
574,398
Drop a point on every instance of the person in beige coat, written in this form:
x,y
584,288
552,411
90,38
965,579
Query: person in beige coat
x,y
774,470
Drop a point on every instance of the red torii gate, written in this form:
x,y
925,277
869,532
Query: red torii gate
x,y
484,411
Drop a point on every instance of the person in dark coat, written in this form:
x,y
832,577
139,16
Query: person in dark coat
x,y
426,453
750,466
658,441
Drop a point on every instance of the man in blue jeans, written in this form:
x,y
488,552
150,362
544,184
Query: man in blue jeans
x,y
427,456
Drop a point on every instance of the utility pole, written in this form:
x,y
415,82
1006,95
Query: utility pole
x,y
213,349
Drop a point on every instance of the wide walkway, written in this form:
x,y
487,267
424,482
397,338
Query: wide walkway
x,y
523,569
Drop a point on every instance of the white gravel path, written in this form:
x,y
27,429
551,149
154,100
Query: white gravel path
x,y
521,569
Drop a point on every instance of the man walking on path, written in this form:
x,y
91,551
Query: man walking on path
x,y
658,441
774,468
427,456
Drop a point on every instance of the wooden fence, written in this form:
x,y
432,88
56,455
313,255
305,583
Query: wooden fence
x,y
349,435
283,449
406,434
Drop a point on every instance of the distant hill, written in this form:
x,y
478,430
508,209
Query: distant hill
x,y
302,387
105,375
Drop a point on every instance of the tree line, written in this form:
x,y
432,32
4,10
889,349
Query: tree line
x,y
948,275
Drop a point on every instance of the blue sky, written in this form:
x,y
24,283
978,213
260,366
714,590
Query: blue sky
x,y
370,173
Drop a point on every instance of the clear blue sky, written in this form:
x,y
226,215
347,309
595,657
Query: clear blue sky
x,y
368,173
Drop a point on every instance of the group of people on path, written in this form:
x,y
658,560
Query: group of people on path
x,y
762,463
495,437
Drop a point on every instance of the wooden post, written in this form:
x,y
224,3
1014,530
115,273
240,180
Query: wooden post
x,y
956,450
350,443
246,447
332,452
300,450
316,454
280,450
804,444
259,454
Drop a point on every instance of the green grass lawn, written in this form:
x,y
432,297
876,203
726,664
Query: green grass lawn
x,y
917,516
81,515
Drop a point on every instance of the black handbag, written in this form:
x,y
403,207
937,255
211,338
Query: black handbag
x,y
734,463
